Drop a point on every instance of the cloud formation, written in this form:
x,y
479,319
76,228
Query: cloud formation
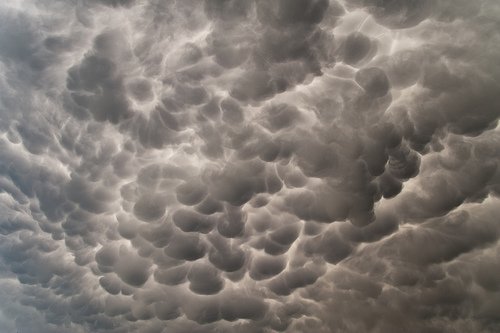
x,y
249,166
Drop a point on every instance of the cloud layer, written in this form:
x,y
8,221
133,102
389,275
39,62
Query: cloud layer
x,y
249,166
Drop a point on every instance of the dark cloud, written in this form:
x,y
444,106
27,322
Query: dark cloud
x,y
398,14
204,279
356,47
186,247
189,221
264,267
287,282
149,207
373,80
249,166
224,256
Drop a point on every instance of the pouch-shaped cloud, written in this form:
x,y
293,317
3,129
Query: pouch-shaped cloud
x,y
249,166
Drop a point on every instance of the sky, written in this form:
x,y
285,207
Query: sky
x,y
251,166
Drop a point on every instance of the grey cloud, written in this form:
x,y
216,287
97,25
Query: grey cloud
x,y
265,266
203,311
357,47
242,307
227,10
186,247
110,284
403,68
287,282
190,95
115,2
141,90
97,87
231,111
172,276
209,206
204,279
345,280
373,80
257,85
286,234
133,270
253,166
224,256
330,245
291,13
191,193
166,310
398,15
149,208
281,116
189,221
446,244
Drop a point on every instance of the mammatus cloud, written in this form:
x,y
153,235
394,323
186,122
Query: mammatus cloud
x,y
249,166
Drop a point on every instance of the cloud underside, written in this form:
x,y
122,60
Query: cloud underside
x,y
249,166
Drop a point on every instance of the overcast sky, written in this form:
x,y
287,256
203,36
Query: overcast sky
x,y
250,166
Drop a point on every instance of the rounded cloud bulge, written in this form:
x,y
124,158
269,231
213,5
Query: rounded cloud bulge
x,y
249,166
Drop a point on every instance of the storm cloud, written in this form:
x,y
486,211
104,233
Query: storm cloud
x,y
249,166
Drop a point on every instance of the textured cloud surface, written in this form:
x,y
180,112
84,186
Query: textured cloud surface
x,y
249,166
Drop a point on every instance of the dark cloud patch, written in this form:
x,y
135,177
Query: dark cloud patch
x,y
22,47
232,223
186,247
190,221
166,310
389,186
292,13
280,116
224,256
190,95
140,90
257,85
228,49
242,307
110,284
115,2
209,206
232,113
191,193
384,224
107,256
203,311
356,47
92,198
287,282
172,276
236,184
331,246
403,163
227,10
373,80
264,267
486,273
204,279
149,208
97,87
349,281
398,14
133,270
457,235
286,234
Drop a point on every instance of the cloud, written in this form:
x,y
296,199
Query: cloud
x,y
250,166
